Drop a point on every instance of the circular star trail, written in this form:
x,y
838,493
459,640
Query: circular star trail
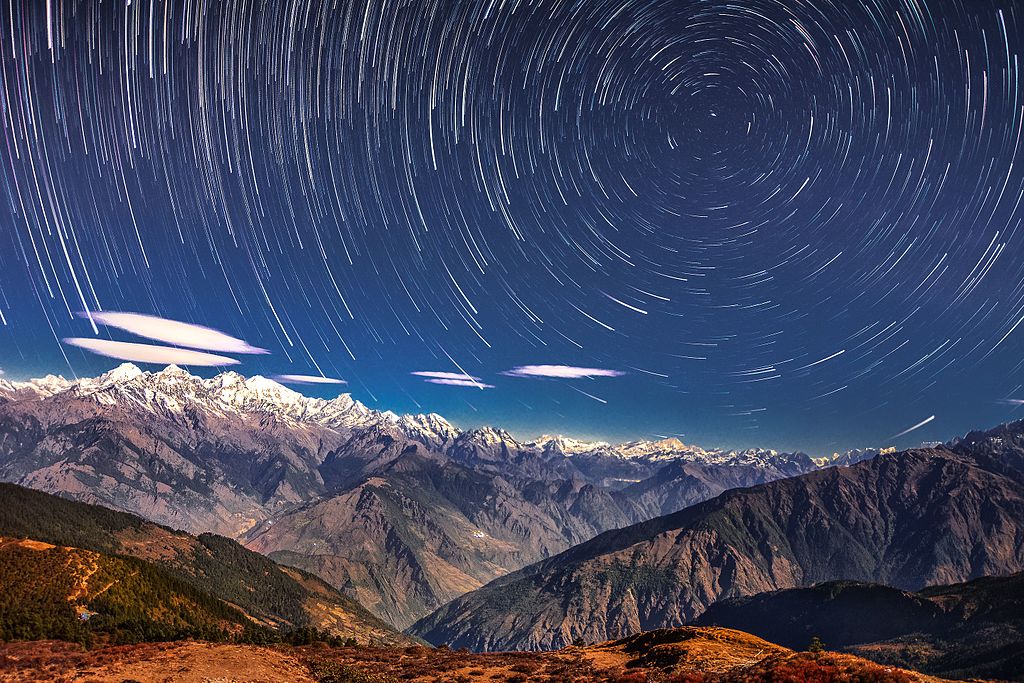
x,y
785,223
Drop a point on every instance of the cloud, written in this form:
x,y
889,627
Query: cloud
x,y
561,372
452,379
461,383
173,332
149,353
446,375
308,379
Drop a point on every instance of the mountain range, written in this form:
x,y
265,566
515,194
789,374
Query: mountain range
x,y
402,512
909,520
326,514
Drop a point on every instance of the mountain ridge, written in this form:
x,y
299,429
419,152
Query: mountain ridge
x,y
231,390
911,519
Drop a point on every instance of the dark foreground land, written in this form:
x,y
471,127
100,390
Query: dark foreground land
x,y
688,655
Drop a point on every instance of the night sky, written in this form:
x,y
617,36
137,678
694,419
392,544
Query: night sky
x,y
787,223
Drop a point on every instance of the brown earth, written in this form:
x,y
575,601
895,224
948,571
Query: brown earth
x,y
687,655
188,662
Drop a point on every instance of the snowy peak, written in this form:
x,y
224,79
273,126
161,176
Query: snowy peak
x,y
490,437
41,387
255,393
671,450
665,449
175,391
566,445
852,457
430,429
126,372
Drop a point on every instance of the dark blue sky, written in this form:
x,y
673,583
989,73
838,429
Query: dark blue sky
x,y
791,224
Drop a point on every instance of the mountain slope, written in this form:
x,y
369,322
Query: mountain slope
x,y
54,592
911,519
271,595
426,530
973,629
422,530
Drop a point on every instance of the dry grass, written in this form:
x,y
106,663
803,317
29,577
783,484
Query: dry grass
x,y
707,655
688,655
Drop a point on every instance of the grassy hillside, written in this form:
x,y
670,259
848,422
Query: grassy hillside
x,y
283,599
54,592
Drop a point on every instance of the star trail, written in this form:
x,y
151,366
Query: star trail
x,y
789,224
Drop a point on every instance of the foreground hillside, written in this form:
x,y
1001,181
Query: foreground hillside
x,y
118,552
76,595
971,629
690,655
909,520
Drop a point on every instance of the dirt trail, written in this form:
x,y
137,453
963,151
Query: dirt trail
x,y
81,589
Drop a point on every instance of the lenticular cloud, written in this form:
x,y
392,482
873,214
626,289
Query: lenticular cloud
x,y
174,332
308,379
149,353
460,383
452,379
460,376
561,372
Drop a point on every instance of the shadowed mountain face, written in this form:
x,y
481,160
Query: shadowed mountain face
x,y
913,519
963,630
841,613
213,570
404,513
424,530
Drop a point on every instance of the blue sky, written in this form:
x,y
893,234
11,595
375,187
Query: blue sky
x,y
795,227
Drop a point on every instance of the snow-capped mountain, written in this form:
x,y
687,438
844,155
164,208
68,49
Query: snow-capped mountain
x,y
174,392
564,445
664,451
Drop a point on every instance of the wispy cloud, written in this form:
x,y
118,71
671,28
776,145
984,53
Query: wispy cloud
x,y
460,383
149,353
561,372
308,379
452,379
446,375
174,332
